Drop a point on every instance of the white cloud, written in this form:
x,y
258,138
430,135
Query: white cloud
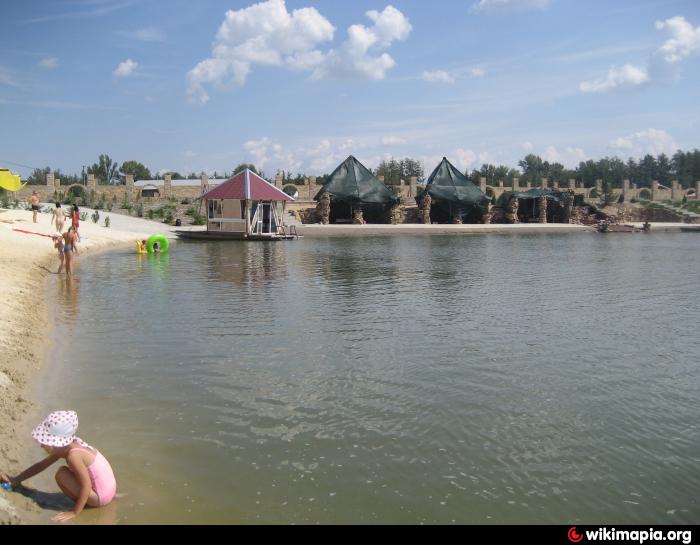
x,y
125,69
510,5
466,159
569,156
268,34
264,33
648,141
7,78
663,65
528,146
478,72
618,78
358,56
684,41
392,140
50,62
149,34
438,76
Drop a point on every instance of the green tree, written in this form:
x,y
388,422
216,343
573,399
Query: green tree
x,y
244,166
38,176
136,169
105,170
533,168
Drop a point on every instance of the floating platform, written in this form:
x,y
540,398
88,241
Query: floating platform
x,y
221,235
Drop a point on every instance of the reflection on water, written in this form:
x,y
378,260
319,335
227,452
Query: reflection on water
x,y
547,379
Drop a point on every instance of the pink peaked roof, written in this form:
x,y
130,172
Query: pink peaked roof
x,y
247,185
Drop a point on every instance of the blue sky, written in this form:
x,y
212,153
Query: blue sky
x,y
301,84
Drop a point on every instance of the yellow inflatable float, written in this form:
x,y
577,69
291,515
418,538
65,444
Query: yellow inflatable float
x,y
9,181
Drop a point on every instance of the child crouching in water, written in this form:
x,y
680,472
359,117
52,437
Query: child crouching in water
x,y
87,479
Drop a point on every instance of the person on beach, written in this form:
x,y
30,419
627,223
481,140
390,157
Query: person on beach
x,y
70,247
59,244
88,478
34,202
75,220
59,217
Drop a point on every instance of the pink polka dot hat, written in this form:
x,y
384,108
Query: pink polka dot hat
x,y
58,430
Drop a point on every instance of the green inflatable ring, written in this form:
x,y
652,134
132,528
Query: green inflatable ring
x,y
161,240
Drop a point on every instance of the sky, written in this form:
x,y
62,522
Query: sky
x,y
300,85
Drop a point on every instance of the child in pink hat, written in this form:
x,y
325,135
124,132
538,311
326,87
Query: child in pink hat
x,y
87,479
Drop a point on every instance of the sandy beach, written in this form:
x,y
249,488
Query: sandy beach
x,y
28,259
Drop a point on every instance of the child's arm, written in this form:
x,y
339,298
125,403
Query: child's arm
x,y
30,472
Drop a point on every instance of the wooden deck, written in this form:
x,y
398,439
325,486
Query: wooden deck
x,y
221,235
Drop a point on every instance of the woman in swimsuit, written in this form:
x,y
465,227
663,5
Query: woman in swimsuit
x,y
88,478
69,248
75,220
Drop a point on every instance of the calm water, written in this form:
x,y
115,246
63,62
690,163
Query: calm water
x,y
436,379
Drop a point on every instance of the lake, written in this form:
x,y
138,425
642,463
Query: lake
x,y
412,379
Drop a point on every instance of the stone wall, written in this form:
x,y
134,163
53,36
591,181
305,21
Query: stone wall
x,y
128,192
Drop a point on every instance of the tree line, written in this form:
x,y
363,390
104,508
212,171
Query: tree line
x,y
682,166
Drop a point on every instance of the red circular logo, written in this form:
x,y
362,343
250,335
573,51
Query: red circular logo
x,y
574,536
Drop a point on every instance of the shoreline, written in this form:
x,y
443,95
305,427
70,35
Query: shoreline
x,y
29,261
318,230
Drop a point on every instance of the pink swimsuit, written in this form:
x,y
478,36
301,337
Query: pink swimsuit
x,y
101,476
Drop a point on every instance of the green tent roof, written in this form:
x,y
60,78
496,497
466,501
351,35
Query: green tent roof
x,y
354,183
534,193
446,183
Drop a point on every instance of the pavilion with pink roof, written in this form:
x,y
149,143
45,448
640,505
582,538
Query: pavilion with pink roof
x,y
246,206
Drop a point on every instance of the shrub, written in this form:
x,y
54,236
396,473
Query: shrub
x,y
95,216
150,214
107,221
197,219
139,210
109,206
169,218
83,216
186,201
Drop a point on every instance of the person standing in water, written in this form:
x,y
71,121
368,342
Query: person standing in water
x,y
70,242
59,244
